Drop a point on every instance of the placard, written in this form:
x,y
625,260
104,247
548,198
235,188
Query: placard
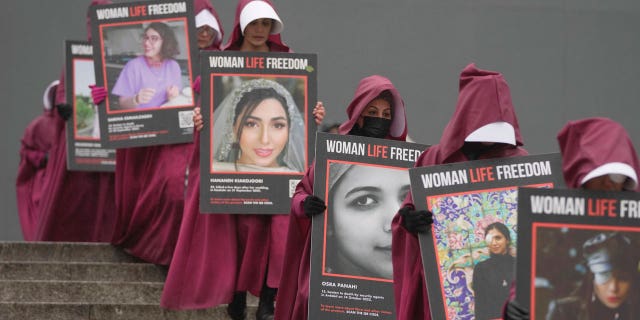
x,y
259,129
578,252
85,151
363,182
474,203
145,54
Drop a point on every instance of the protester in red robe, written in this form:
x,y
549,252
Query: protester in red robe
x,y
597,154
483,126
151,183
34,153
293,295
239,245
76,205
598,148
261,238
201,274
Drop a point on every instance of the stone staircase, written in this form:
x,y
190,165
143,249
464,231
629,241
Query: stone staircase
x,y
56,280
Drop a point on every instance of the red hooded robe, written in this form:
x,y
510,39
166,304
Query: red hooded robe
x,y
202,271
261,238
590,143
200,5
484,98
34,152
293,295
586,145
76,205
150,196
234,43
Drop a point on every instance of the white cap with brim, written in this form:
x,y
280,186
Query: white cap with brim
x,y
600,265
259,10
497,132
614,168
204,17
46,100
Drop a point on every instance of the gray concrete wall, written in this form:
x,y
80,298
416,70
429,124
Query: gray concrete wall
x,y
564,59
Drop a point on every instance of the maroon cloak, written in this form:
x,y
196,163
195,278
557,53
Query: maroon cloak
x,y
151,183
484,98
34,152
586,145
234,43
200,5
202,271
261,238
293,294
75,206
590,143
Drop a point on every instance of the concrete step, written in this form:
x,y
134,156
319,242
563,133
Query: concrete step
x,y
81,292
82,271
64,311
63,252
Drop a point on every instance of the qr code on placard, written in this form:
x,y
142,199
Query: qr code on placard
x,y
292,186
185,119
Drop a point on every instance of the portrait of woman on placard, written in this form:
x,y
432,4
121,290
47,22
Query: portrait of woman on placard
x,y
361,203
492,277
258,128
154,78
609,288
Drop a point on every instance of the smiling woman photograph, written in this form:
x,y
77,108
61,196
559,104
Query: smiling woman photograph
x,y
492,277
362,201
258,128
154,77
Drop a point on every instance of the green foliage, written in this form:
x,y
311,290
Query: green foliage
x,y
84,112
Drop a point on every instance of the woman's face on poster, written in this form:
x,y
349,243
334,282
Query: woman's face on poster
x,y
152,44
497,242
613,292
265,133
364,202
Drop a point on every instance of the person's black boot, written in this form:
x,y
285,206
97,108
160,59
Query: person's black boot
x,y
237,309
265,306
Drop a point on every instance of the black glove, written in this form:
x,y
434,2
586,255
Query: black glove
x,y
313,205
515,311
45,159
416,221
65,111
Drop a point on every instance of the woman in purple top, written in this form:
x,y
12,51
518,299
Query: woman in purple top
x,y
153,78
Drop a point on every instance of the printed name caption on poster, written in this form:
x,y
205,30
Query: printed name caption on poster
x,y
238,201
141,10
128,126
374,313
349,295
486,174
577,206
234,189
267,63
232,185
373,150
81,49
92,153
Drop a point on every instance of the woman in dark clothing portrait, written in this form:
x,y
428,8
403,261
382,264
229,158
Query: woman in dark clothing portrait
x,y
492,277
609,289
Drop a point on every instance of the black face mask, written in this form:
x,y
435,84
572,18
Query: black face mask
x,y
474,150
373,127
